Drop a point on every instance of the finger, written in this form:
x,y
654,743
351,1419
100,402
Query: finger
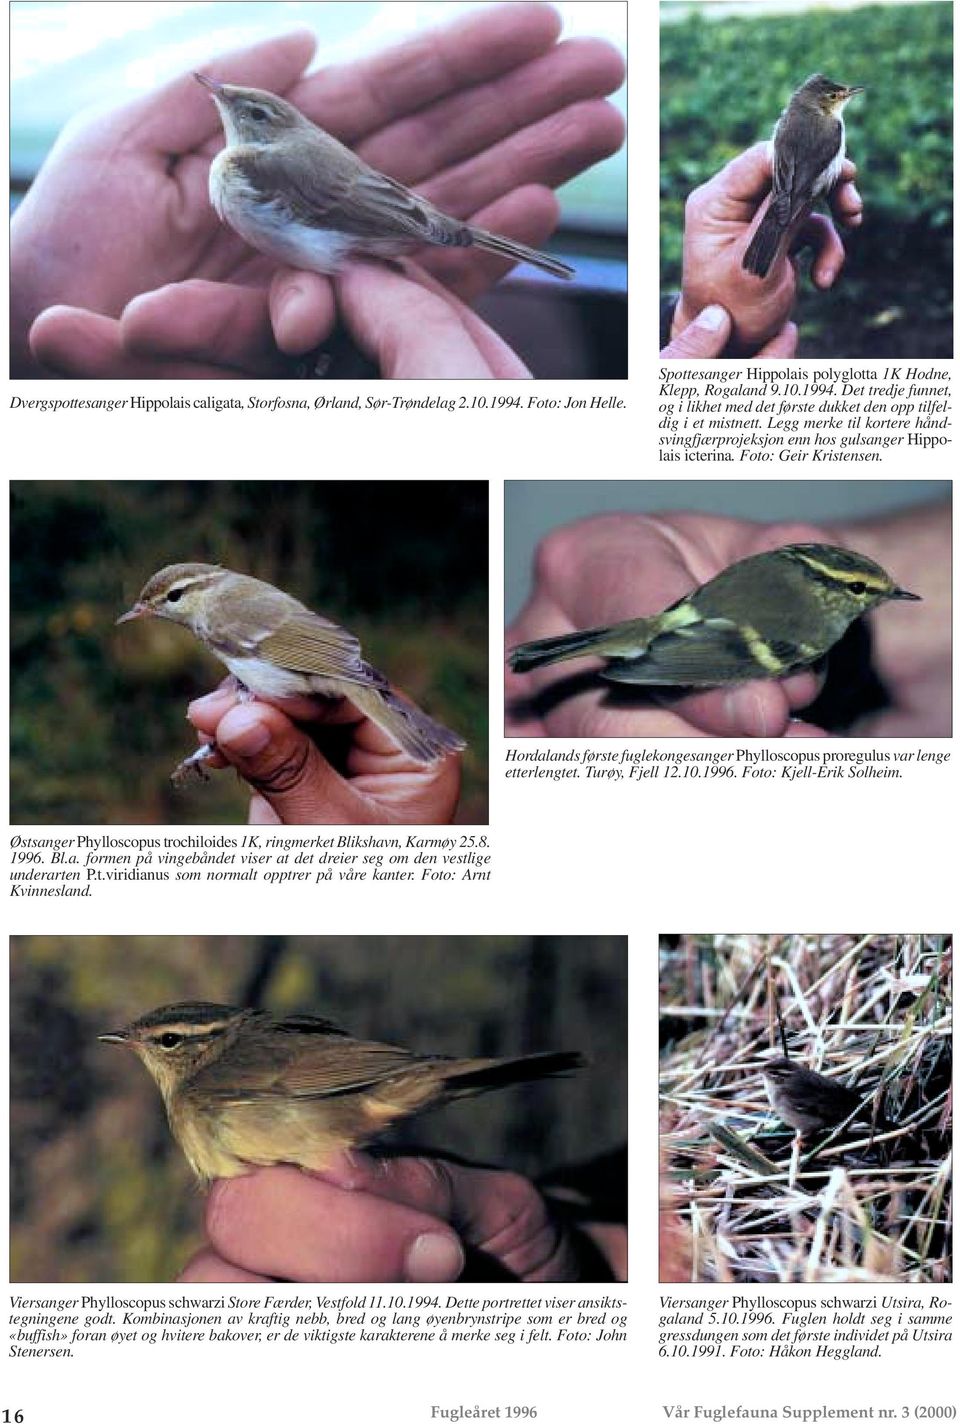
x,y
288,1225
210,322
706,336
207,712
744,179
782,346
613,566
549,152
527,215
846,204
206,1265
500,1213
751,709
502,360
466,123
284,766
818,232
588,715
302,310
261,813
413,333
75,343
805,730
180,116
802,688
360,97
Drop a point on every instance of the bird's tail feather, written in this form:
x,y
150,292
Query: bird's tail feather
x,y
476,1075
503,247
414,732
621,640
763,246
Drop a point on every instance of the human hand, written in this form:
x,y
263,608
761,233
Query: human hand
x,y
343,771
601,570
478,116
407,323
719,220
382,1219
709,332
913,656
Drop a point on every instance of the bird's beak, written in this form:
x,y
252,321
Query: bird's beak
x,y
139,610
118,1035
857,89
211,84
903,593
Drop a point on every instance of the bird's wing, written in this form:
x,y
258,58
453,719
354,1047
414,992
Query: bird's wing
x,y
344,193
294,1068
271,624
305,642
794,176
377,202
707,654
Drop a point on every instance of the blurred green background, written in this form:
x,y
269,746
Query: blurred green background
x,y
724,81
98,1189
97,712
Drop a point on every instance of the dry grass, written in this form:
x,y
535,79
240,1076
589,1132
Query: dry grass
x,y
874,1011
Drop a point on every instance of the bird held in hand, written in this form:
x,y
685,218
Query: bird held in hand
x,y
809,146
244,1088
276,647
763,617
300,196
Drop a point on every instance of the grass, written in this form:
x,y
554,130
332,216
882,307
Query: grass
x,y
740,1205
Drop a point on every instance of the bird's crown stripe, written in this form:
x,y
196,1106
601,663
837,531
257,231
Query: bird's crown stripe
x,y
189,1030
832,574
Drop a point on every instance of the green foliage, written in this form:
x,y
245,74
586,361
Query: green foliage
x,y
97,712
724,83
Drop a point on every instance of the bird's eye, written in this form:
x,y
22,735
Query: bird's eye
x,y
857,587
170,1040
175,595
258,113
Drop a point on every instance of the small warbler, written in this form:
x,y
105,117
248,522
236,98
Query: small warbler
x,y
763,617
810,1102
243,1088
276,647
809,144
297,194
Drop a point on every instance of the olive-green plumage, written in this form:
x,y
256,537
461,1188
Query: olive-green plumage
x,y
765,616
244,1088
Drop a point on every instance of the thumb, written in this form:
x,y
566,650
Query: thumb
x,y
706,335
501,1214
282,764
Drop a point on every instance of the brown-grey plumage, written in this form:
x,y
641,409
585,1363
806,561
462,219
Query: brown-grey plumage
x,y
296,193
809,146
243,1087
810,1102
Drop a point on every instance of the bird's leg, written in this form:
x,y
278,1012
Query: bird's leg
x,y
193,765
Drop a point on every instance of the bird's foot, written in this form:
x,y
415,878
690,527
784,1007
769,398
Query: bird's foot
x,y
193,766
